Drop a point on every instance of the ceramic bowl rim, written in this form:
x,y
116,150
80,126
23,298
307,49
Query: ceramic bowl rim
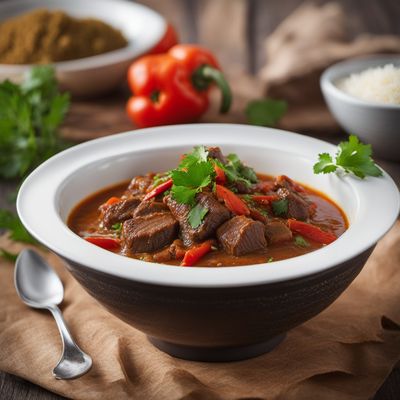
x,y
49,176
333,73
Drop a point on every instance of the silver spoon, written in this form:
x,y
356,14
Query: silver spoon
x,y
39,286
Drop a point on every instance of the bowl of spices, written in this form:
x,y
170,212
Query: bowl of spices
x,y
363,95
91,44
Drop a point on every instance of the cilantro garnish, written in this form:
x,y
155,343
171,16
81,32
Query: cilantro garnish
x,y
30,115
270,260
189,182
196,215
17,231
236,171
117,227
352,156
280,207
266,112
300,241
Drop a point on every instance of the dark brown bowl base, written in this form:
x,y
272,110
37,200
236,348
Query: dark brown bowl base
x,y
218,323
217,354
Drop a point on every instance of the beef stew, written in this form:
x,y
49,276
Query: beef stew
x,y
211,211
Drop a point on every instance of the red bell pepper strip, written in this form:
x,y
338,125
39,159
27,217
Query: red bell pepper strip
x,y
220,177
267,199
233,202
173,87
193,255
311,231
158,190
169,39
104,242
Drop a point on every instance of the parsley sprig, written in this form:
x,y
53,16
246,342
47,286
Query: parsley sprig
x,y
352,156
30,115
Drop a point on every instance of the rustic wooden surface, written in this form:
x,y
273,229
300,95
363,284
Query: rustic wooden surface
x,y
99,117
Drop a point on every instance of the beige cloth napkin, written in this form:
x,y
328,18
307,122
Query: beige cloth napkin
x,y
344,353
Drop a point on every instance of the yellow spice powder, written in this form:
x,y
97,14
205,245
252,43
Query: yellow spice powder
x,y
43,36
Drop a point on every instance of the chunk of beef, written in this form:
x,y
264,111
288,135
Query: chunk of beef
x,y
277,231
140,184
258,215
298,208
149,207
216,215
175,251
241,235
149,233
119,212
285,182
216,153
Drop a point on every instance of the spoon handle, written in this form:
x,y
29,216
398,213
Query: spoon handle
x,y
63,328
73,362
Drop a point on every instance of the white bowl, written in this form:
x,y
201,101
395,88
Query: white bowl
x,y
374,123
141,26
204,313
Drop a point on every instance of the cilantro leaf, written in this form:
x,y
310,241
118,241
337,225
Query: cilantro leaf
x,y
193,174
270,260
196,215
117,227
183,194
280,207
236,171
11,222
353,157
8,256
30,115
300,241
266,112
325,164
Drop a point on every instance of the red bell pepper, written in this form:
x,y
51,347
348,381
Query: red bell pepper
x,y
193,255
169,39
220,177
233,203
173,88
267,199
104,242
311,231
158,190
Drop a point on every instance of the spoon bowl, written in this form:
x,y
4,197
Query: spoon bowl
x,y
39,286
36,282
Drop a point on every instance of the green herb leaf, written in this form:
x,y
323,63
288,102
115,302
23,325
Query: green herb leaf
x,y
196,215
280,207
270,260
300,241
325,164
193,174
30,115
266,112
17,231
8,256
117,227
183,194
353,157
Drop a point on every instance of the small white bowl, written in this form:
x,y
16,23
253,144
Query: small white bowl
x,y
374,123
142,27
214,314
